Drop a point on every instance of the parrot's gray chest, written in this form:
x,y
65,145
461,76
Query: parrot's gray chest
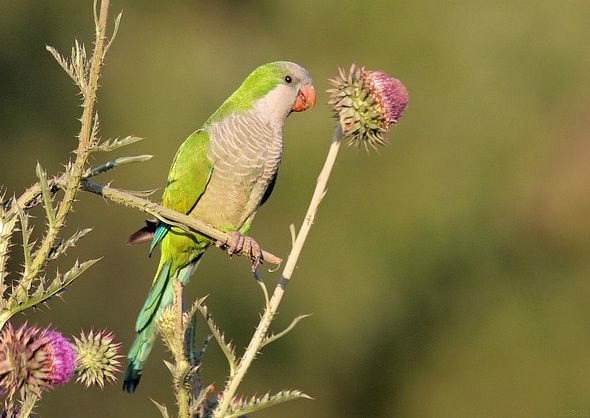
x,y
245,151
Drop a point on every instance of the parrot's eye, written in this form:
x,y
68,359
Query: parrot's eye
x,y
288,79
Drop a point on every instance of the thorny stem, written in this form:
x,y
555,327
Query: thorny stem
x,y
32,195
260,334
84,148
166,214
28,406
182,396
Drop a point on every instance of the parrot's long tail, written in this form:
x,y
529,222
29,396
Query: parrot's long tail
x,y
137,357
160,296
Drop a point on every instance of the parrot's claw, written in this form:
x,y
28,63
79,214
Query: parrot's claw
x,y
252,248
241,244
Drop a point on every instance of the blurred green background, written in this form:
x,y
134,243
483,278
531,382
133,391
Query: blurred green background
x,y
447,277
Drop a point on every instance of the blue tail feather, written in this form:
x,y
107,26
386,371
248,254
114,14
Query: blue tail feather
x,y
160,296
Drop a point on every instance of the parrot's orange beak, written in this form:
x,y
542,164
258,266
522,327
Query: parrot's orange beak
x,y
305,98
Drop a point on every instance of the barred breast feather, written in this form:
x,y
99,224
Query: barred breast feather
x,y
245,151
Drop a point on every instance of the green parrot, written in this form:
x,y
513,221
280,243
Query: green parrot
x,y
221,174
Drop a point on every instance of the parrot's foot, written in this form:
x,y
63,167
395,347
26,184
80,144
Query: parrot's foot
x,y
243,244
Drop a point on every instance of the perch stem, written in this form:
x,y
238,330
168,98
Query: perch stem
x,y
182,397
128,199
261,330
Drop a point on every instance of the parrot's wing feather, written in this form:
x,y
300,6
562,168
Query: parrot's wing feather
x,y
187,179
152,302
189,174
269,189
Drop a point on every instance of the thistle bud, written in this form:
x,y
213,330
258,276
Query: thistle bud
x,y
32,360
96,358
366,103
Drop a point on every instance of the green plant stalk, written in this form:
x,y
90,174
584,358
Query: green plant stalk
x,y
7,224
259,336
181,367
166,214
28,406
32,194
77,170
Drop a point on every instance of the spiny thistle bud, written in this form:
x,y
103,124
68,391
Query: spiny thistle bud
x,y
166,324
96,358
366,103
32,360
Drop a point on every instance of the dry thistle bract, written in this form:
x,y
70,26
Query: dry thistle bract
x,y
366,103
96,358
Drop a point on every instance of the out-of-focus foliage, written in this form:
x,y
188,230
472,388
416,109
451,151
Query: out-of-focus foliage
x,y
458,260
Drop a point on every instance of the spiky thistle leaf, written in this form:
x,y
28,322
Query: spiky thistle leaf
x,y
117,162
194,354
226,347
39,285
94,140
162,408
59,283
7,222
113,144
77,67
273,337
76,270
80,65
63,246
27,231
64,63
139,193
46,194
114,35
239,406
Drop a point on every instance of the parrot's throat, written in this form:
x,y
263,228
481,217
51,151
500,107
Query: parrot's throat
x,y
275,106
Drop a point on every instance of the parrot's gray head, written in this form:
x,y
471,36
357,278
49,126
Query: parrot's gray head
x,y
273,91
286,87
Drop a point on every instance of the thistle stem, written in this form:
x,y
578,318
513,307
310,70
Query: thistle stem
x,y
261,330
119,196
28,406
182,396
75,173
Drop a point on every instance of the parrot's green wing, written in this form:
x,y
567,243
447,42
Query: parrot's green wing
x,y
187,179
189,174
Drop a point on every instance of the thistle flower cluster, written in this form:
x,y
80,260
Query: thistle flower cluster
x,y
366,103
96,358
32,360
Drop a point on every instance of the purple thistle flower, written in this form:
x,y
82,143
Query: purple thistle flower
x,y
62,357
32,360
390,93
366,103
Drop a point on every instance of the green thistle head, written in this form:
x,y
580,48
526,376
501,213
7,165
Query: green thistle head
x,y
32,360
366,103
96,358
166,325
